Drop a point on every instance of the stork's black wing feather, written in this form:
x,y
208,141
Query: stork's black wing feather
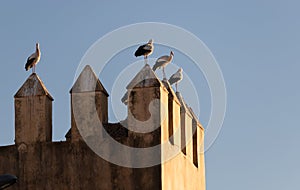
x,y
142,51
28,64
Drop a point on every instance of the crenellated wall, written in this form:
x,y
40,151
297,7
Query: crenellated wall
x,y
156,116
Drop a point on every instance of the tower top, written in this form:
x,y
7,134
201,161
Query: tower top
x,y
145,78
88,82
33,86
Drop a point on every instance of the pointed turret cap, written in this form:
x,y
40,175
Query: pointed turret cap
x,y
88,82
33,86
145,78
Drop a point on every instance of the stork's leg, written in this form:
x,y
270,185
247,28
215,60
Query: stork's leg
x,y
146,59
164,74
176,86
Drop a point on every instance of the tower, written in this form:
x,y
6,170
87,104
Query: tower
x,y
147,119
89,105
157,117
33,112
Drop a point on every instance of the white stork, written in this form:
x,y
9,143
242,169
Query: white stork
x,y
33,59
176,78
145,50
163,61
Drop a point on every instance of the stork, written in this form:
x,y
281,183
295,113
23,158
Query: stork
x,y
176,78
33,59
163,61
145,50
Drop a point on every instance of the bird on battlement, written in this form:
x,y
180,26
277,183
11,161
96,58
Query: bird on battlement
x,y
145,50
162,62
176,78
33,59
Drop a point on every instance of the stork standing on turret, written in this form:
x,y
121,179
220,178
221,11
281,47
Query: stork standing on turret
x,y
33,59
145,50
176,78
162,62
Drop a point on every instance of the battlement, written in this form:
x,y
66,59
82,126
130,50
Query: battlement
x,y
156,116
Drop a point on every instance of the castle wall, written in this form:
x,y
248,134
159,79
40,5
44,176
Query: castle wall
x,y
180,172
201,160
65,165
152,106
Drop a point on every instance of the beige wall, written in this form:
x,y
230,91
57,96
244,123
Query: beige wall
x,y
180,172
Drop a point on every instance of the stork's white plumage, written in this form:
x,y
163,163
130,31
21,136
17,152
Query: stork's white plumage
x,y
145,50
33,59
176,78
162,62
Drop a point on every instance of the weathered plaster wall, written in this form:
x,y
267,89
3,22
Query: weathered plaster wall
x,y
66,165
42,164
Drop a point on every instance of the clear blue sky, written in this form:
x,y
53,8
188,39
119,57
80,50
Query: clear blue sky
x,y
256,44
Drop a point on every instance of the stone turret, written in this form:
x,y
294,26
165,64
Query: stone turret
x,y
33,112
147,103
147,123
89,105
